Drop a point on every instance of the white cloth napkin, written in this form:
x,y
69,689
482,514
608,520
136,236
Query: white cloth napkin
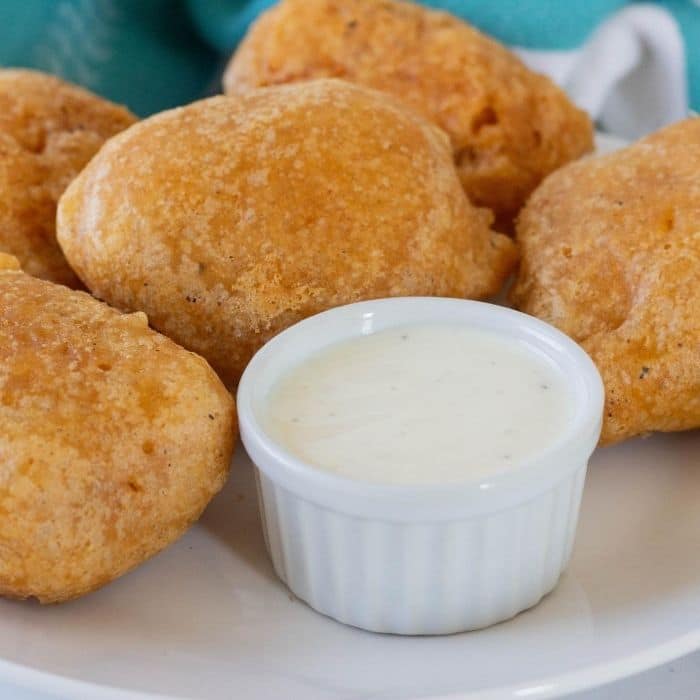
x,y
630,74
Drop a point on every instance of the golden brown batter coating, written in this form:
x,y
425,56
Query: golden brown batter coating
x,y
509,127
113,439
611,254
49,130
232,218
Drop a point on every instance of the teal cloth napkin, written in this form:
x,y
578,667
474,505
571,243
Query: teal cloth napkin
x,y
146,54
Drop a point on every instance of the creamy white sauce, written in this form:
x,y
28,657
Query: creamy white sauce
x,y
420,404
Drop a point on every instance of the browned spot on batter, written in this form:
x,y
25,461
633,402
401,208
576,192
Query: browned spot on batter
x,y
487,116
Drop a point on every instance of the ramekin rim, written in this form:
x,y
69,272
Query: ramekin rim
x,y
550,464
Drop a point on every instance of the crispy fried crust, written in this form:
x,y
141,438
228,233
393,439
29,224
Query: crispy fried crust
x,y
611,254
113,439
509,127
232,218
49,130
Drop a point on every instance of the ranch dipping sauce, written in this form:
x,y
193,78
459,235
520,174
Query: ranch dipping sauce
x,y
425,403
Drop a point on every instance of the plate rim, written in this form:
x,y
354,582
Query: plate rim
x,y
555,686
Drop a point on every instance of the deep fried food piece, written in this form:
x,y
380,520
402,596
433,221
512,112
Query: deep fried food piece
x,y
611,254
230,219
49,130
509,127
113,439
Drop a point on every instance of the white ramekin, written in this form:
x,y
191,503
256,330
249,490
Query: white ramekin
x,y
420,559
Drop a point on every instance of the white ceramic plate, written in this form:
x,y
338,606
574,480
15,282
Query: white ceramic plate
x,y
207,617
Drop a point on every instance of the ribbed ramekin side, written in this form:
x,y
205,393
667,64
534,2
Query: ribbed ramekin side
x,y
421,577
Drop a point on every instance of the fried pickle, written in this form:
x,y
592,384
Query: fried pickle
x,y
232,218
611,255
49,130
509,127
113,439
